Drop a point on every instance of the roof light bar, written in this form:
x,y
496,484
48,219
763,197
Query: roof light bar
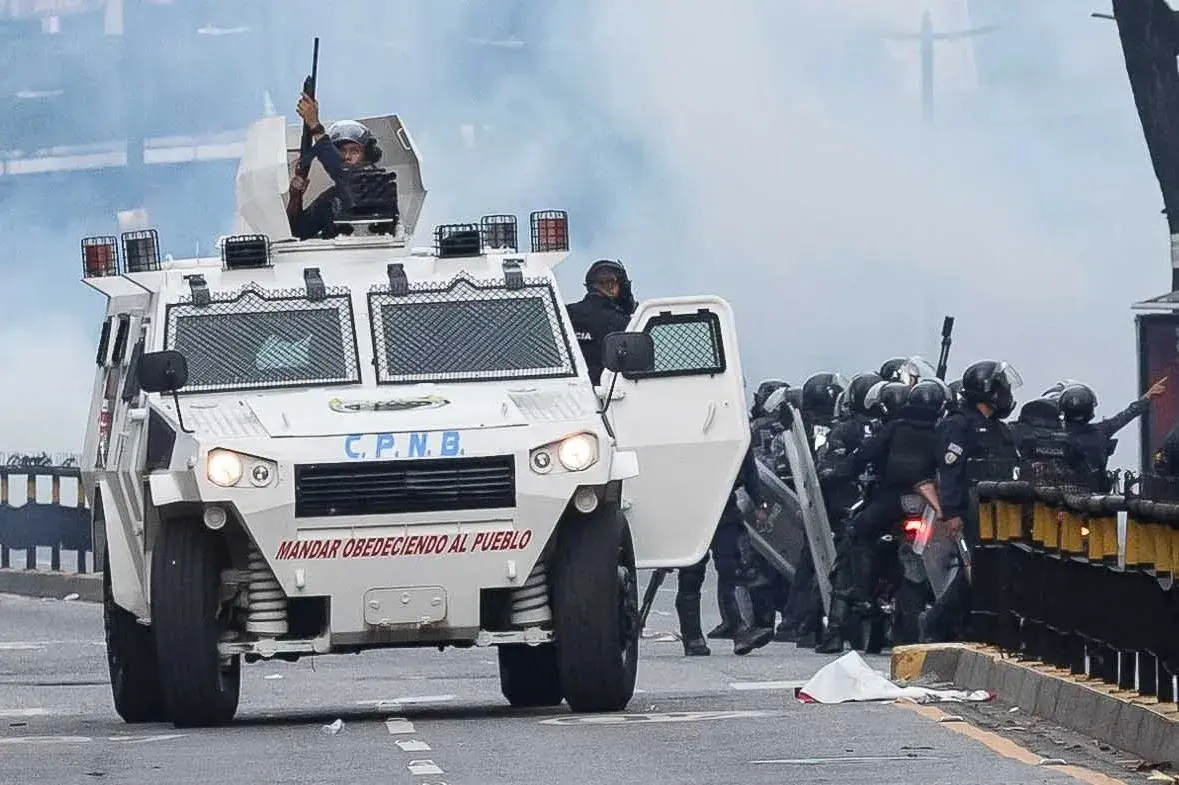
x,y
100,257
499,232
141,251
453,241
245,251
550,230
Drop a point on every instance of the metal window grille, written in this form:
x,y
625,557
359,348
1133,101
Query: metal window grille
x,y
253,339
465,330
685,345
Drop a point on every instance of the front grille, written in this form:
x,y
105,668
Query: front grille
x,y
394,487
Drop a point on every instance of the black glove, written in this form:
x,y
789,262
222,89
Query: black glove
x,y
626,299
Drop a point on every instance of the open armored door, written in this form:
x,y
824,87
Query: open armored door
x,y
686,420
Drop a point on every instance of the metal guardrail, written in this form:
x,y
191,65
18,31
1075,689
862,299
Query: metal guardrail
x,y
35,526
1050,586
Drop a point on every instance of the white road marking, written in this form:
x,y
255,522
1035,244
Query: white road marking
x,y
413,745
393,703
848,759
398,725
678,716
420,767
765,685
46,740
12,713
34,645
145,739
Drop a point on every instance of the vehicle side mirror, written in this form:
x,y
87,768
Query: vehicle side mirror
x,y
165,371
628,352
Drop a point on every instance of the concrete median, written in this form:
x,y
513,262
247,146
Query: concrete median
x,y
1124,719
50,583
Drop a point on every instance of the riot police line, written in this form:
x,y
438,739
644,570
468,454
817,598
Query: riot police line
x,y
1005,533
894,507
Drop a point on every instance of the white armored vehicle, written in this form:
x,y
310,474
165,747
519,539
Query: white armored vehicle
x,y
333,445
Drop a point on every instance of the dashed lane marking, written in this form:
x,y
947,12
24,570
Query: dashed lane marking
x,y
413,745
420,767
38,645
674,716
9,714
766,685
847,759
50,740
398,726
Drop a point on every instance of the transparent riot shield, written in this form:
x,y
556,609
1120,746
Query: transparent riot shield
x,y
780,537
810,499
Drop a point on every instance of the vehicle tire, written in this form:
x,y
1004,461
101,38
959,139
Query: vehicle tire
x,y
200,690
528,675
131,659
595,601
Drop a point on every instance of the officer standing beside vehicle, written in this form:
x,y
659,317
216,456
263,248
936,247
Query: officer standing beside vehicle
x,y
765,426
748,601
973,444
606,308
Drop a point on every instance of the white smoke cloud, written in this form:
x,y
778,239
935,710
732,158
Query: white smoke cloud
x,y
773,153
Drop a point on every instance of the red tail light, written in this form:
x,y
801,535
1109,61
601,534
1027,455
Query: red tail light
x,y
911,527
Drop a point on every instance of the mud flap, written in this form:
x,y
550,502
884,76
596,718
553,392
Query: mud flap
x,y
810,498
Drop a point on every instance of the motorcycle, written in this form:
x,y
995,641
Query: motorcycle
x,y
902,589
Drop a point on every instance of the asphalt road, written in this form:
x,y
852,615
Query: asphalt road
x,y
738,721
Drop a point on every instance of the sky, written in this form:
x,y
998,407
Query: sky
x,y
773,153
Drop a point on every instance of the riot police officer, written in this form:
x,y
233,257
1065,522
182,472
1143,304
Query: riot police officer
x,y
764,425
902,453
606,308
800,620
749,602
1093,443
1037,426
973,444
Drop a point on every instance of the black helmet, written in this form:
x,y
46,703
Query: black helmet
x,y
857,390
955,391
1042,412
886,398
1055,390
929,396
1078,403
604,269
763,392
820,392
891,370
993,383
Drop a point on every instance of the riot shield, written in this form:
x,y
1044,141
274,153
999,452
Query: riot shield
x,y
780,537
810,499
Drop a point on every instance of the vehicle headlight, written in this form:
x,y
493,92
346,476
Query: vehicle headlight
x,y
578,452
225,468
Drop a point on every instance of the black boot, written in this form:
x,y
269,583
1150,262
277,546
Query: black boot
x,y
832,642
730,616
688,608
750,635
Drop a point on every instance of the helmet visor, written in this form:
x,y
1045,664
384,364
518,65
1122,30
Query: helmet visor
x,y
915,368
1008,376
774,402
